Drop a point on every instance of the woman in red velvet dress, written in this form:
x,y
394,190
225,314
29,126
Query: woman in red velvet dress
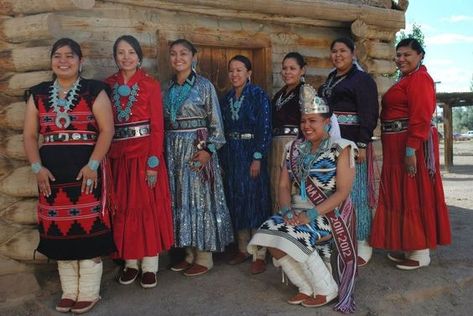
x,y
142,223
412,216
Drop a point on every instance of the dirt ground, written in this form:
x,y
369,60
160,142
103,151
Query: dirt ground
x,y
443,288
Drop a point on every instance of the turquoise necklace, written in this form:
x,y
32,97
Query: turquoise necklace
x,y
235,107
176,96
305,160
123,114
62,106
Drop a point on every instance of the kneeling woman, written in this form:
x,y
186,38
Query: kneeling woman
x,y
316,212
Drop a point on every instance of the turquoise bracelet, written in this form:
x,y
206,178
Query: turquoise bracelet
x,y
93,164
257,155
410,151
36,167
312,214
284,210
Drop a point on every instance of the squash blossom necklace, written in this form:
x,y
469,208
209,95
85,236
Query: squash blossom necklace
x,y
62,106
119,91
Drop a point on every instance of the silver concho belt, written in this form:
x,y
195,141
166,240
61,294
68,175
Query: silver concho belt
x,y
240,136
286,131
126,132
394,126
64,137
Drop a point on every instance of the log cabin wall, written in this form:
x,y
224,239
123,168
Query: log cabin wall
x,y
269,28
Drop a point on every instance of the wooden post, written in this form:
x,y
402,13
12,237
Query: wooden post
x,y
448,137
15,7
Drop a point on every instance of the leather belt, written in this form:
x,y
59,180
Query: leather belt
x,y
134,131
286,130
186,124
240,136
74,136
394,126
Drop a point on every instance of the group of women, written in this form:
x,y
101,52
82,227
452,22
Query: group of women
x,y
188,171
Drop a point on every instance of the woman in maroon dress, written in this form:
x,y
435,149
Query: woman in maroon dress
x,y
142,222
412,216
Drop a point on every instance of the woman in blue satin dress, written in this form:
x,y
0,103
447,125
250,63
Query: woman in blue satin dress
x,y
246,111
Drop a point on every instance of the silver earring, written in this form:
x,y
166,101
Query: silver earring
x,y
80,68
303,78
194,65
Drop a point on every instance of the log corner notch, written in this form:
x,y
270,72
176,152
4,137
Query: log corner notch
x,y
26,7
401,5
361,30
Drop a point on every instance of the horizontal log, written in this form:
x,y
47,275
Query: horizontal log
x,y
378,3
16,84
379,66
7,231
362,30
20,183
15,7
317,62
25,59
7,200
315,10
10,266
29,28
22,246
375,49
22,212
12,116
12,147
221,12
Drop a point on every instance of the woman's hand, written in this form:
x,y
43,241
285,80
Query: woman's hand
x,y
151,178
199,160
411,165
43,177
296,219
255,168
89,179
361,158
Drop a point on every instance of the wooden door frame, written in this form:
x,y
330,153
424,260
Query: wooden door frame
x,y
259,42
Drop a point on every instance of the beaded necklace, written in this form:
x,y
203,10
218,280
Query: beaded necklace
x,y
281,101
176,96
62,106
123,114
235,107
305,160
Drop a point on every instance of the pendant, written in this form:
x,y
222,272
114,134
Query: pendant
x,y
124,90
61,102
62,116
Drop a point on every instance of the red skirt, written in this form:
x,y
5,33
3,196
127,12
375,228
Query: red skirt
x,y
142,223
411,212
